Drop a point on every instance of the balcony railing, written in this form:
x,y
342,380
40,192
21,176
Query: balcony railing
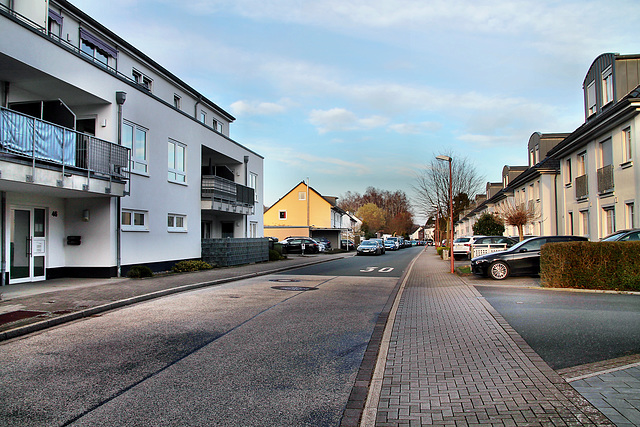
x,y
227,192
582,189
605,179
29,139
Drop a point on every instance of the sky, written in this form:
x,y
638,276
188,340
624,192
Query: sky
x,y
359,93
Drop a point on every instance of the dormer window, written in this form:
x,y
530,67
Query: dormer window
x,y
591,98
607,86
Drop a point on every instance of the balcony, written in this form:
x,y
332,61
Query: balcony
x,y
582,189
605,179
223,195
47,154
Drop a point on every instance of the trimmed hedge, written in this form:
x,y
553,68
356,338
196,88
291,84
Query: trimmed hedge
x,y
591,265
190,265
139,272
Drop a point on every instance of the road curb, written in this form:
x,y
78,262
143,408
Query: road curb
x,y
89,312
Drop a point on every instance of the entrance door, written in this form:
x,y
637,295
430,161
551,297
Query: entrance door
x,y
28,245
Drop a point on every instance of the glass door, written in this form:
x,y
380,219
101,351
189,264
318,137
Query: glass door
x,y
27,245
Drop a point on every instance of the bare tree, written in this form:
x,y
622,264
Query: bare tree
x,y
518,215
431,188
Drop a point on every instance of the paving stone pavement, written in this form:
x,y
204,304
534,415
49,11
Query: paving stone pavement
x,y
453,360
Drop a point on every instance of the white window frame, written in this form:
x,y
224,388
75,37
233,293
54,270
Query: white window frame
x,y
253,229
582,164
606,152
627,147
139,164
142,79
584,223
570,221
175,174
129,217
568,180
629,208
280,215
253,183
591,98
302,195
176,223
177,101
608,220
203,116
607,85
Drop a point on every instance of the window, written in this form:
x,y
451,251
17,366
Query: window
x,y
177,162
302,195
630,214
203,116
176,223
134,137
606,153
582,164
537,156
608,220
253,229
626,145
96,49
568,178
532,158
607,86
591,98
584,223
282,214
134,220
141,79
217,125
55,24
570,223
253,183
177,101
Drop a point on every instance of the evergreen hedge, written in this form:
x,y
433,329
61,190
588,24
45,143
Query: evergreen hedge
x,y
591,265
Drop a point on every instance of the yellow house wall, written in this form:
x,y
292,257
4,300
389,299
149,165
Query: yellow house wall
x,y
319,211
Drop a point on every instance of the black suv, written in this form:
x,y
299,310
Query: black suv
x,y
521,259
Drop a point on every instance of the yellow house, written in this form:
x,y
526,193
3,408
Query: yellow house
x,y
305,212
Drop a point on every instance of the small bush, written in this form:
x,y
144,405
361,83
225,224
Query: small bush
x,y
139,271
591,265
274,255
190,265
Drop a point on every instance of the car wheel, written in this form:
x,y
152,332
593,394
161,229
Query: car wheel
x,y
499,270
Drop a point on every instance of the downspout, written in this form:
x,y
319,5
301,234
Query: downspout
x,y
246,184
555,196
121,97
3,220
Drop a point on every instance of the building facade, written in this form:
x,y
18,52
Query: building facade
x,y
107,159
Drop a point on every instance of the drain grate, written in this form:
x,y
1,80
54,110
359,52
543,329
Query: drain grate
x,y
294,288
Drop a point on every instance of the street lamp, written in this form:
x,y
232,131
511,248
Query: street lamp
x,y
448,159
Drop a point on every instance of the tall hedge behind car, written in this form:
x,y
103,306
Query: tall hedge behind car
x,y
591,265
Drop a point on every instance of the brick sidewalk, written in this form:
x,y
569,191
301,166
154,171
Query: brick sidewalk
x,y
453,360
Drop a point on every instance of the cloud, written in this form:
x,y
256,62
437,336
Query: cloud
x,y
339,119
415,128
257,108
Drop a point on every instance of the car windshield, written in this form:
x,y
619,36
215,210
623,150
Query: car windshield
x,y
613,237
368,243
461,240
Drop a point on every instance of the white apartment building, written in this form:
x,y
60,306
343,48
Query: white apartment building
x,y
107,159
599,188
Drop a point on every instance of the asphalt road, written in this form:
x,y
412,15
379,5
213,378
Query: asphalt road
x,y
570,328
241,354
391,264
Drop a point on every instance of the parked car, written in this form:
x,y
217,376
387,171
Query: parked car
x,y
294,245
369,247
391,245
623,236
462,246
347,244
522,258
501,242
430,242
396,240
381,242
326,242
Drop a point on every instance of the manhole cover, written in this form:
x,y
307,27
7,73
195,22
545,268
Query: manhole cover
x,y
285,280
294,288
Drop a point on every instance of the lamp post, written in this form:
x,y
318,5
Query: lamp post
x,y
448,159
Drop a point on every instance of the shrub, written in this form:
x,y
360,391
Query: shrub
x,y
488,225
139,271
591,265
190,265
274,255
